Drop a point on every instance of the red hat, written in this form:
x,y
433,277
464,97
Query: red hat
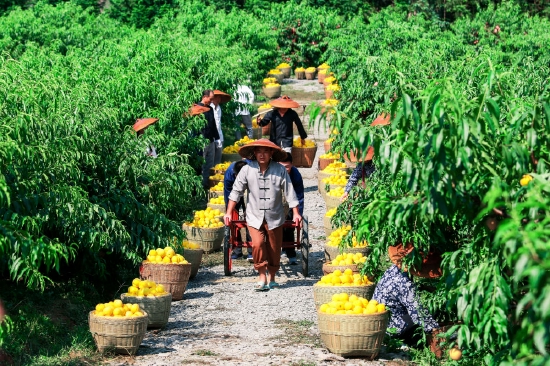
x,y
247,151
224,96
284,102
141,123
196,109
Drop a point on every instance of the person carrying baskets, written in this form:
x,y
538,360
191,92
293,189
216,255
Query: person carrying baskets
x,y
282,118
267,181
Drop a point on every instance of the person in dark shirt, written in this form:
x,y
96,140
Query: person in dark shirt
x,y
228,180
298,184
209,132
282,119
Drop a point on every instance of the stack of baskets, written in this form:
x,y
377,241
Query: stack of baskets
x,y
157,307
174,277
122,335
303,157
353,335
209,239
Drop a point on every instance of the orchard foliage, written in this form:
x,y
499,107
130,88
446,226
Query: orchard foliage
x,y
75,182
470,115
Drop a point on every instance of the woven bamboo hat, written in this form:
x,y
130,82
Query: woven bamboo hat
x,y
431,264
247,151
196,109
284,102
224,96
382,120
141,123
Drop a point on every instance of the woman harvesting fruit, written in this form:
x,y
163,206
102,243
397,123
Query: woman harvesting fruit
x,y
266,181
282,118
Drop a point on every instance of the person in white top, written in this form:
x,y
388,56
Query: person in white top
x,y
244,96
219,97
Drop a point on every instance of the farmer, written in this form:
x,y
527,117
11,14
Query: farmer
x,y
219,97
267,182
228,180
209,132
244,95
298,185
282,118
397,291
140,126
366,168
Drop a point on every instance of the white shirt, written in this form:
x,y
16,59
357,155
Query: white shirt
x,y
218,118
243,95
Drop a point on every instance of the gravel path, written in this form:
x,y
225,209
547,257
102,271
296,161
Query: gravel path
x,y
222,321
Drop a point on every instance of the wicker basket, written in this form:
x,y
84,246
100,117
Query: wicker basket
x,y
266,130
257,133
329,269
209,239
124,335
353,335
326,144
279,77
157,307
219,207
173,277
329,94
322,175
214,182
231,157
331,202
300,75
331,252
302,157
324,162
272,92
310,75
285,71
323,294
327,225
194,256
321,78
213,194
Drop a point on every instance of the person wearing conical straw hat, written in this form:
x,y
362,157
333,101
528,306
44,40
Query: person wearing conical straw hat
x,y
282,118
267,181
140,126
209,132
365,169
219,97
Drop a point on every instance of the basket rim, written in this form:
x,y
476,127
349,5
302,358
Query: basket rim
x,y
146,297
145,315
352,315
204,228
316,285
146,262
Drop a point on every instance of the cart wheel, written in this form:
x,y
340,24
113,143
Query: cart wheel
x,y
227,252
304,244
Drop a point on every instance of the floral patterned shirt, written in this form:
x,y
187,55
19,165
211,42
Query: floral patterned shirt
x,y
361,171
397,292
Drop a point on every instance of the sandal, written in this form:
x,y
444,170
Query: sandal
x,y
261,286
273,285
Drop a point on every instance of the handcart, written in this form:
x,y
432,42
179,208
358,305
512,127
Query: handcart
x,y
233,239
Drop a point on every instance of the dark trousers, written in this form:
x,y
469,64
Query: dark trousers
x,y
288,235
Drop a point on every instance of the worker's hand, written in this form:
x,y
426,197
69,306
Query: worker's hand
x,y
297,220
227,218
344,196
303,142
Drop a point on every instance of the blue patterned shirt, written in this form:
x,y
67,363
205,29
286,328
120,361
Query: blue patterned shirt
x,y
362,170
396,290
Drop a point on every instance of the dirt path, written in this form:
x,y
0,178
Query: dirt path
x,y
222,321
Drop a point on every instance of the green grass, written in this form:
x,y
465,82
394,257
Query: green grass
x,y
204,352
297,332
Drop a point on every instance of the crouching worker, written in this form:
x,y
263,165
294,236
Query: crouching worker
x,y
267,181
397,291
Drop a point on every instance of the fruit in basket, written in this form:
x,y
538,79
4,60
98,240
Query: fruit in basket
x,y
268,81
330,155
274,72
336,192
335,165
267,105
116,309
222,167
348,259
335,238
145,288
217,188
331,212
311,69
330,80
283,65
234,149
216,177
272,85
347,278
307,143
344,303
206,219
162,255
339,180
333,87
217,200
299,69
324,65
188,245
330,102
